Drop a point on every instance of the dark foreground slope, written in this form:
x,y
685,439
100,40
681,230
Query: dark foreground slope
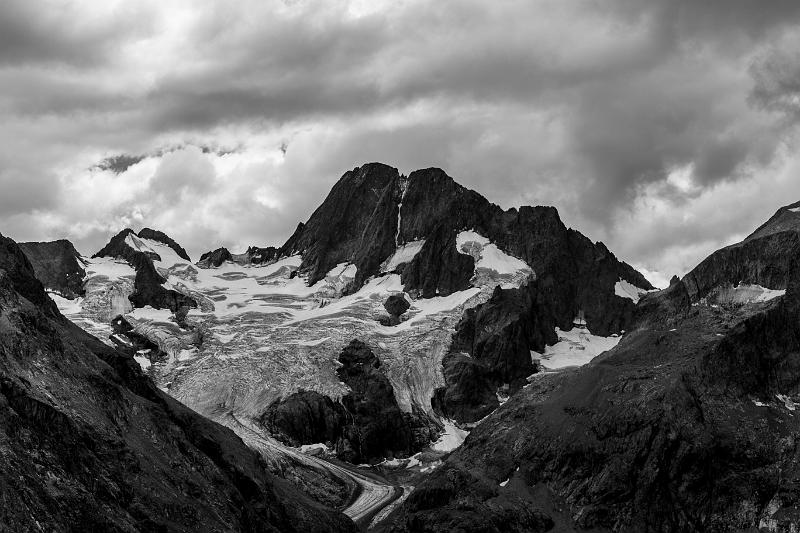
x,y
689,424
87,443
678,429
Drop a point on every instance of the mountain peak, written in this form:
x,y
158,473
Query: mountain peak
x,y
160,236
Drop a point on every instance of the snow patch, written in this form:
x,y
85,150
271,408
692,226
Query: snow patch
x,y
575,347
404,254
318,447
626,289
150,314
504,483
795,209
144,362
452,438
169,257
66,306
108,267
787,402
489,258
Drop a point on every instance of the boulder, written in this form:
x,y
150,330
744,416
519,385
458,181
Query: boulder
x,y
396,304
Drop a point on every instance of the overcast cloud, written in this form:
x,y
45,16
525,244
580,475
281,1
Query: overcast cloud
x,y
664,128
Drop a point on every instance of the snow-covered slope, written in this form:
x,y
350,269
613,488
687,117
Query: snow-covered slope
x,y
261,333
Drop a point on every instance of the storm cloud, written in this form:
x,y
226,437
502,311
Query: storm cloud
x,y
665,128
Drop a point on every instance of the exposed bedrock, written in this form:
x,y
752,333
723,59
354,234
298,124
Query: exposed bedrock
x,y
57,265
148,288
766,258
492,347
356,223
396,304
366,425
215,258
254,255
438,269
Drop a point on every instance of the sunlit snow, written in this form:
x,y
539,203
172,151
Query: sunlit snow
x,y
575,347
491,261
404,254
626,289
452,438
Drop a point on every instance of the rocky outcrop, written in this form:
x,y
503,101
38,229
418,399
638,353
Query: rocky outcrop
x,y
766,258
438,269
366,425
259,256
117,247
58,265
215,258
88,443
252,256
492,348
396,304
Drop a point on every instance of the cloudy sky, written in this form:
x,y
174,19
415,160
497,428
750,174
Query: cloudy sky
x,y
664,128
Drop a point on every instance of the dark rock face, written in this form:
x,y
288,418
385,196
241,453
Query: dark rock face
x,y
91,444
215,258
148,289
366,426
57,265
663,307
372,209
305,417
765,258
117,247
439,268
260,256
355,223
498,336
396,304
253,256
159,236
376,423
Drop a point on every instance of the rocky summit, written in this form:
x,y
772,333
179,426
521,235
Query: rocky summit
x,y
416,358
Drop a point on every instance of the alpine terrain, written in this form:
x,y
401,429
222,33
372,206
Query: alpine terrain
x,y
413,357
